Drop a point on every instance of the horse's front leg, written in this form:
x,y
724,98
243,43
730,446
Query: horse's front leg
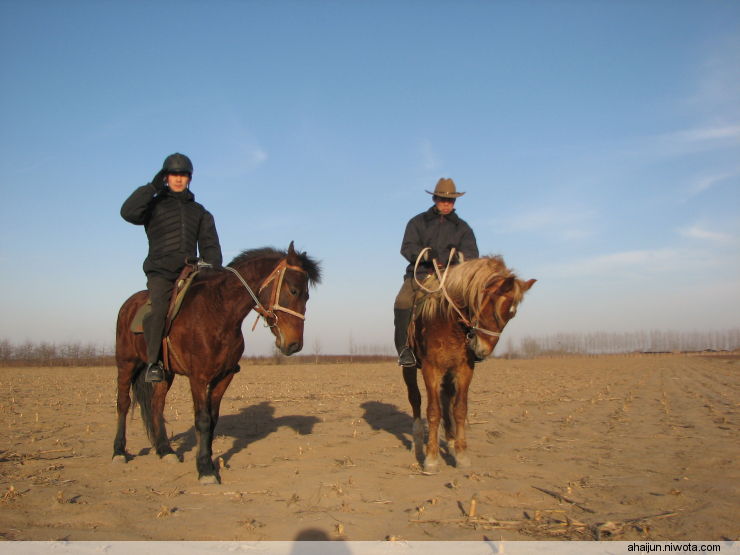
x,y
447,397
217,394
459,410
123,403
161,441
409,376
432,380
203,432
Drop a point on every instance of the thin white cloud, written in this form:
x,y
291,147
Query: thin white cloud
x,y
718,78
697,232
706,182
704,134
622,264
569,223
429,158
255,157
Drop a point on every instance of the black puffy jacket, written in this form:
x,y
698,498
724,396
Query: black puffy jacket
x,y
441,233
177,228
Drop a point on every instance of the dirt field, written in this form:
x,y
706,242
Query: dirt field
x,y
612,448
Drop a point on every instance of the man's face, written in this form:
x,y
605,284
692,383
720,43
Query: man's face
x,y
178,182
444,205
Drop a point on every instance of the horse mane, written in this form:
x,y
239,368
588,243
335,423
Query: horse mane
x,y
311,266
466,284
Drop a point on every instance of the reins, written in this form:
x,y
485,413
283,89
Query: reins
x,y
473,328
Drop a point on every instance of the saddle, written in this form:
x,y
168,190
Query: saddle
x,y
182,284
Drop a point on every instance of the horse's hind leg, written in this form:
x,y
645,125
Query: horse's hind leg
x,y
459,409
409,376
123,403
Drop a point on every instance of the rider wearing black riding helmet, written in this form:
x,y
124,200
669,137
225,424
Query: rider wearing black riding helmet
x,y
177,228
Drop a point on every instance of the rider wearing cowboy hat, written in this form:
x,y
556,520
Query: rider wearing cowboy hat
x,y
177,227
440,230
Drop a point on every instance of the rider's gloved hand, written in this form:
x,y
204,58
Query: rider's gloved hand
x,y
158,182
432,254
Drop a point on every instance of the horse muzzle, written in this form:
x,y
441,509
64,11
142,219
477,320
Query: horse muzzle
x,y
291,348
481,348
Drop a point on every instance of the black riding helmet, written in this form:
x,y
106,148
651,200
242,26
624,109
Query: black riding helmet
x,y
177,163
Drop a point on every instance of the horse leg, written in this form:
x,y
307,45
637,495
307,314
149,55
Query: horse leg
x,y
446,396
123,403
201,392
409,376
432,380
460,413
159,431
217,394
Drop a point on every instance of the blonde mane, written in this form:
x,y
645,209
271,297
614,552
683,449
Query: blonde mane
x,y
466,284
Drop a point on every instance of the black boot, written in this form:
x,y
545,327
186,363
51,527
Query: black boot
x,y
401,321
154,372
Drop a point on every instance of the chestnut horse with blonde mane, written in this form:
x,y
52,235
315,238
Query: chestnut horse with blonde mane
x,y
455,326
205,342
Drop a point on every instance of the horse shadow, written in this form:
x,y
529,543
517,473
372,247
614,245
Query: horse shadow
x,y
387,417
252,424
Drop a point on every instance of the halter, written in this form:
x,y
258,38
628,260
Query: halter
x,y
472,327
268,314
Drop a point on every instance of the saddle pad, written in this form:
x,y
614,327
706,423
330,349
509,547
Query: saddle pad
x,y
137,324
181,287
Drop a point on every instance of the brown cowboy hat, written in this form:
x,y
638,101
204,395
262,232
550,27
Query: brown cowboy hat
x,y
446,189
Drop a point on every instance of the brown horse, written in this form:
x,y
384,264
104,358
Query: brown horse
x,y
206,342
455,327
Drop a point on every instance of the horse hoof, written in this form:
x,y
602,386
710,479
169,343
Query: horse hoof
x,y
431,467
208,479
119,459
170,458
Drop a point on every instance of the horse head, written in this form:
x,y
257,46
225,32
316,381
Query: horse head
x,y
284,294
498,306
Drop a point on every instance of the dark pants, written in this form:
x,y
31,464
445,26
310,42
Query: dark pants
x,y
160,291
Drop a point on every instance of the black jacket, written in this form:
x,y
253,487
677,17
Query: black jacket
x,y
441,233
177,228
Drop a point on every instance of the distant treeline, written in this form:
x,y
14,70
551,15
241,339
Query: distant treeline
x,y
560,344
51,354
600,343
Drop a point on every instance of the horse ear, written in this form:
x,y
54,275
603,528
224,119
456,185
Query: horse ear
x,y
292,257
529,284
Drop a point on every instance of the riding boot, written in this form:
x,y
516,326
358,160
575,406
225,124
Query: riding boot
x,y
160,290
401,321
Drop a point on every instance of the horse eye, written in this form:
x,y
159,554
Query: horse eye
x,y
293,291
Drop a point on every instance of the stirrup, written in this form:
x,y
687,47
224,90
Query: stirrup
x,y
406,357
154,373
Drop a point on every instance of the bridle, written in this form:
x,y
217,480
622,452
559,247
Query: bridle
x,y
471,324
268,314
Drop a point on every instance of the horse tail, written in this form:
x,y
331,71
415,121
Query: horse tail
x,y
143,393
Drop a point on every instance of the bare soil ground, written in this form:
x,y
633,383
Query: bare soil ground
x,y
575,448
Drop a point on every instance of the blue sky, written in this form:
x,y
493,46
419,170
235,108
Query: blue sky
x,y
597,143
